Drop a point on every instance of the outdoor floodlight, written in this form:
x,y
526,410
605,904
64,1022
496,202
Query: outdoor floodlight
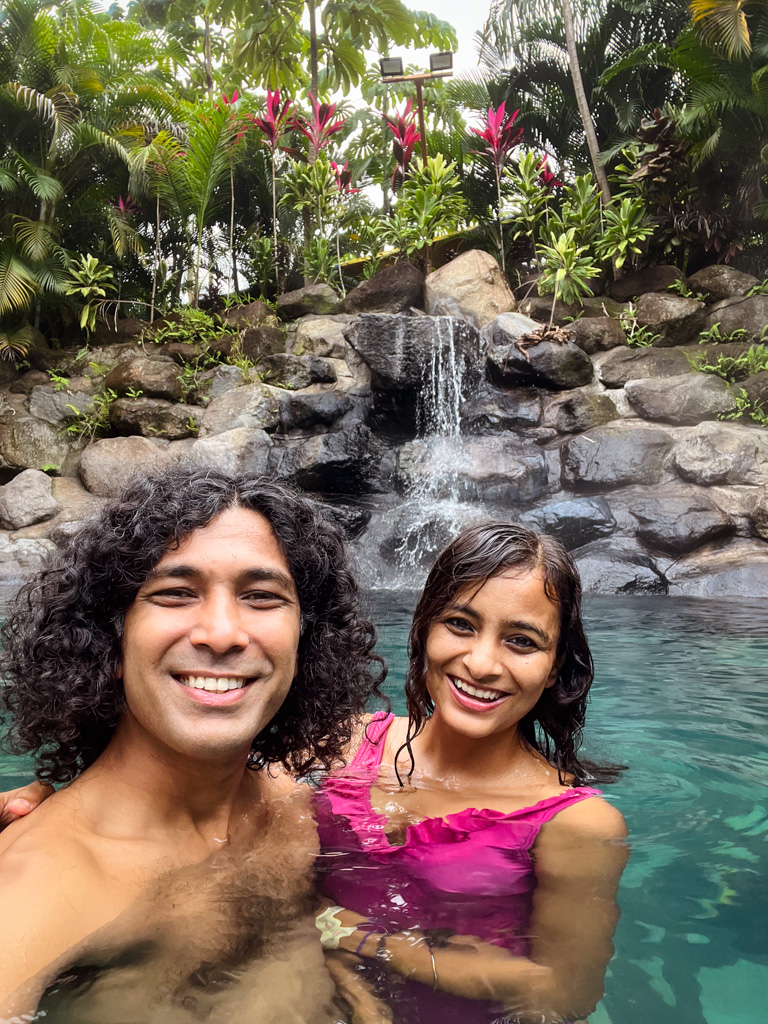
x,y
391,66
441,61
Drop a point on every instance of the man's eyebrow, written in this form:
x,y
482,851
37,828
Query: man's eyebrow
x,y
254,575
509,624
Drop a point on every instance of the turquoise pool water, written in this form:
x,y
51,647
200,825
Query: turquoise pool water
x,y
681,697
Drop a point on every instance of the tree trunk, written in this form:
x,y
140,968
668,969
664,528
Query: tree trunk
x,y
208,59
583,103
313,62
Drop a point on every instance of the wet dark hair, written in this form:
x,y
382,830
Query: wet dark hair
x,y
554,726
63,636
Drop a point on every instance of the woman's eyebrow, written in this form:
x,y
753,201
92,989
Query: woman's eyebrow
x,y
465,609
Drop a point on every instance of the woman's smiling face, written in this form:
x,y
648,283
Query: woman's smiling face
x,y
492,653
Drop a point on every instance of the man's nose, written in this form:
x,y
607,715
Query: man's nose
x,y
219,625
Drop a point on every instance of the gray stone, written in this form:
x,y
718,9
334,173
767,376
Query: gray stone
x,y
27,499
618,567
332,463
29,443
756,388
508,328
687,399
155,378
575,522
395,289
750,315
649,279
721,282
257,342
240,450
546,364
597,334
315,298
398,349
254,405
303,410
599,307
581,410
96,362
735,569
615,456
245,315
106,466
758,514
494,410
674,319
107,332
217,382
472,287
676,525
621,365
723,453
20,557
154,417
321,336
539,308
287,371
58,407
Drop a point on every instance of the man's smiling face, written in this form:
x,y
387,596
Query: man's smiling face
x,y
210,643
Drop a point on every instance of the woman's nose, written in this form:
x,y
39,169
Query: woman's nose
x,y
219,625
482,658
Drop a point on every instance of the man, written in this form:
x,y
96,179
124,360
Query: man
x,y
197,631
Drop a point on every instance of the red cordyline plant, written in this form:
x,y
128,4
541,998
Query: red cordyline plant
x,y
277,119
548,180
500,138
320,126
406,135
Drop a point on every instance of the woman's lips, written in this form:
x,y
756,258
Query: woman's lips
x,y
466,700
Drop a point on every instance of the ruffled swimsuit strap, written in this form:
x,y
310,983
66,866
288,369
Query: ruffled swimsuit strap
x,y
371,749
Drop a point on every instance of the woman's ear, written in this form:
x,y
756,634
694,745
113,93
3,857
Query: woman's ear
x,y
552,677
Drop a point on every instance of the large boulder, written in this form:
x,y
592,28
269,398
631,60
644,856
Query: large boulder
x,y
27,499
287,371
686,399
57,407
154,417
676,525
242,450
508,328
107,332
395,289
674,319
580,410
758,514
301,410
493,410
471,287
756,388
735,569
27,382
217,382
750,315
246,315
548,364
597,334
314,298
20,557
399,349
332,463
106,466
257,342
321,336
618,567
615,457
723,453
721,282
625,364
155,378
541,309
254,405
29,443
640,282
575,522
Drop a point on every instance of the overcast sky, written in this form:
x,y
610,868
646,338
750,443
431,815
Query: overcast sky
x,y
466,16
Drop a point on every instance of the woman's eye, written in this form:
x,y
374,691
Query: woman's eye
x,y
461,625
523,642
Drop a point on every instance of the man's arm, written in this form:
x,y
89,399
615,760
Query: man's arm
x,y
18,802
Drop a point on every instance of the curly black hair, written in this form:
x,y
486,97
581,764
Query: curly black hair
x,y
554,726
62,639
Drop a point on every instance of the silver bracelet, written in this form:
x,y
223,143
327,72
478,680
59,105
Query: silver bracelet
x,y
434,966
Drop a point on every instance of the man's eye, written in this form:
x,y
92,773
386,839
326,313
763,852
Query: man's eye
x,y
174,594
262,597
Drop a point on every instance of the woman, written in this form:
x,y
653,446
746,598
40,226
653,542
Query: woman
x,y
472,861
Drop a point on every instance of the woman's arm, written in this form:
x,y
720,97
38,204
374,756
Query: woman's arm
x,y
17,802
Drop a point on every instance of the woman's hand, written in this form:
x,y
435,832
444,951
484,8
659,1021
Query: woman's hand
x,y
364,1005
17,803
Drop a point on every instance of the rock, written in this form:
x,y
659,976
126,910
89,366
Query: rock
x,y
649,279
398,349
351,518
300,410
245,315
27,499
581,410
539,308
155,378
546,364
29,443
154,417
674,319
615,456
507,329
58,407
494,410
321,336
756,388
240,450
108,333
721,282
618,567
315,298
723,453
286,371
758,515
597,334
732,315
106,466
676,525
181,351
575,522
599,307
621,365
27,382
257,342
254,405
471,287
97,362
395,289
217,382
497,470
686,399
19,558
736,569
332,463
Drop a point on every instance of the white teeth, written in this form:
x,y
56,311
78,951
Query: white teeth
x,y
475,691
212,685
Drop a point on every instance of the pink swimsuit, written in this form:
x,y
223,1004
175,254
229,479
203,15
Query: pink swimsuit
x,y
470,873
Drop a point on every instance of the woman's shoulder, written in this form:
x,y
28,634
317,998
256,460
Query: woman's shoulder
x,y
592,818
364,730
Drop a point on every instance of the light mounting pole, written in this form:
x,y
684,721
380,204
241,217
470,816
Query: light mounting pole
x,y
440,66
